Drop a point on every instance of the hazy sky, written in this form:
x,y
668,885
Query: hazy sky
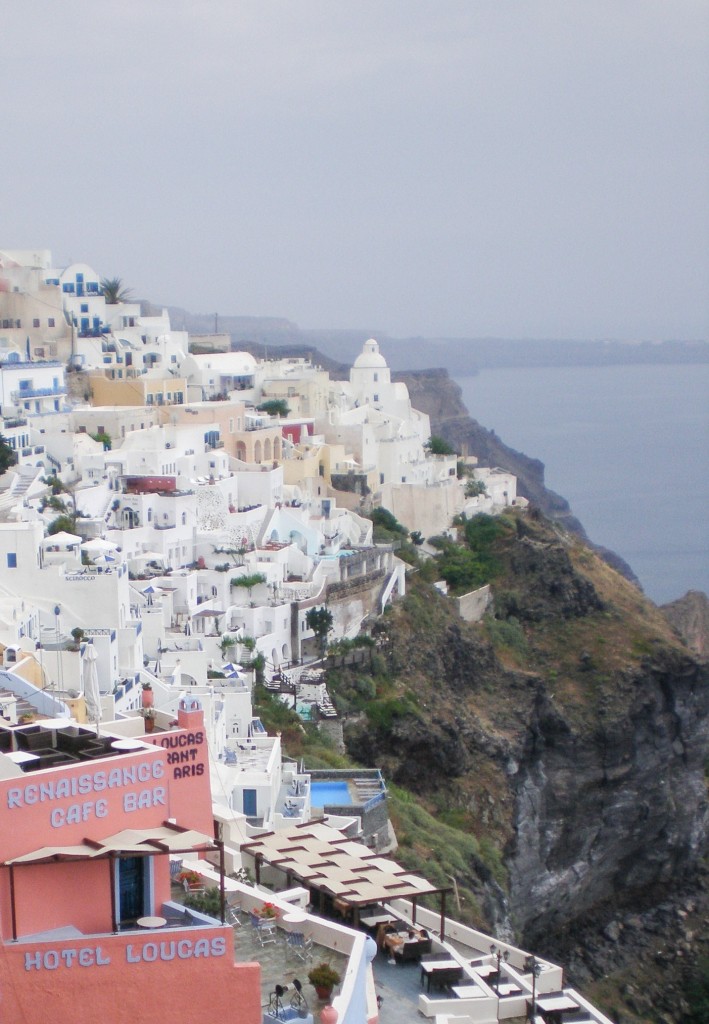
x,y
450,167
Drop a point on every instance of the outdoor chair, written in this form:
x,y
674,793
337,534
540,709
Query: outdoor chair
x,y
300,945
263,929
233,911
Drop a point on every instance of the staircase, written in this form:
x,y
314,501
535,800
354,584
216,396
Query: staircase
x,y
24,477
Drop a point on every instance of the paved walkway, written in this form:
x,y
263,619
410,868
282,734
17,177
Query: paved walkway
x,y
399,986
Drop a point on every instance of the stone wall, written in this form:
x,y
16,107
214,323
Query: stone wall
x,y
471,607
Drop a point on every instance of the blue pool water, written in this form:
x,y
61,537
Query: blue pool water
x,y
331,793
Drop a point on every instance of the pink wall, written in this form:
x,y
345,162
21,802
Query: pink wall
x,y
63,806
122,979
93,800
54,895
187,767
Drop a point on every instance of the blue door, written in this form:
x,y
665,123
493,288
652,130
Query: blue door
x,y
131,888
250,803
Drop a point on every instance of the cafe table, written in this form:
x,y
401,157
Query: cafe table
x,y
449,967
151,922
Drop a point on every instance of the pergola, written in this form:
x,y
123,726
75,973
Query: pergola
x,y
163,840
328,862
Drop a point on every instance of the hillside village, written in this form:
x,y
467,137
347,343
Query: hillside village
x,y
180,522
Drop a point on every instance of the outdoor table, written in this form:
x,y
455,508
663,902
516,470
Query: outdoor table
x,y
151,922
22,756
375,919
294,920
508,989
52,724
128,744
555,1004
467,991
484,970
449,967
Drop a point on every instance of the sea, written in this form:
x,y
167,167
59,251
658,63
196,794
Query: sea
x,y
627,446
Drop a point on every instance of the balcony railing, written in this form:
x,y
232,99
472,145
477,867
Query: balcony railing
x,y
36,393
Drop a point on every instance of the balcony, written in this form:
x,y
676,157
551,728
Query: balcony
x,y
22,393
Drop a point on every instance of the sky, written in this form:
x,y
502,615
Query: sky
x,y
440,168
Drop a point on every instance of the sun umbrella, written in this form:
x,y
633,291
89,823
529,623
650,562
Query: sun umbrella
x,y
99,545
92,694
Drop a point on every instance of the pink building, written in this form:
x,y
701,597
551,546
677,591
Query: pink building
x,y
87,927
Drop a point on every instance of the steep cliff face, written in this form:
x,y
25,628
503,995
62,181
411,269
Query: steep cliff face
x,y
616,811
689,616
572,731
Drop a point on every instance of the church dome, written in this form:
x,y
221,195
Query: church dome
x,y
370,358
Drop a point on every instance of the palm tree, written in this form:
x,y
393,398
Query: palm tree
x,y
113,290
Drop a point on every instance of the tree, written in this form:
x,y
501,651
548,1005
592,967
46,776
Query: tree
x,y
473,488
226,643
438,446
62,524
248,581
104,439
7,456
113,291
274,407
320,621
387,527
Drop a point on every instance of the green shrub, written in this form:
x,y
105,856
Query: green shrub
x,y
205,902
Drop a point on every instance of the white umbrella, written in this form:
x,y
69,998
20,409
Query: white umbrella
x,y
92,694
99,545
102,559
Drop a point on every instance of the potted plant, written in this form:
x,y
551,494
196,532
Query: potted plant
x,y
267,910
149,717
323,978
192,878
148,695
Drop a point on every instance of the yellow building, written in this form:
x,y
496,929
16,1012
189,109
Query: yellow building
x,y
143,390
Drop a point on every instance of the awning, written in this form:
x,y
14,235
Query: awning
x,y
326,859
161,839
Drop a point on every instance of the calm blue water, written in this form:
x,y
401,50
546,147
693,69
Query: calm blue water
x,y
334,794
628,446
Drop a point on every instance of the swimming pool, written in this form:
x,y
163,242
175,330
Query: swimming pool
x,y
332,794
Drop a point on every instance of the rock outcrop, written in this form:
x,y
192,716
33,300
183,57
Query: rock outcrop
x,y
572,731
689,616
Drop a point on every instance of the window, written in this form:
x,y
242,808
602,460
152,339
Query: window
x,y
50,322
11,560
84,307
68,287
35,322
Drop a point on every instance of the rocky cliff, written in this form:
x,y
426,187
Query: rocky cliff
x,y
572,731
689,617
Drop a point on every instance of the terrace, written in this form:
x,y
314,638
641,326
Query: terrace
x,y
51,742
